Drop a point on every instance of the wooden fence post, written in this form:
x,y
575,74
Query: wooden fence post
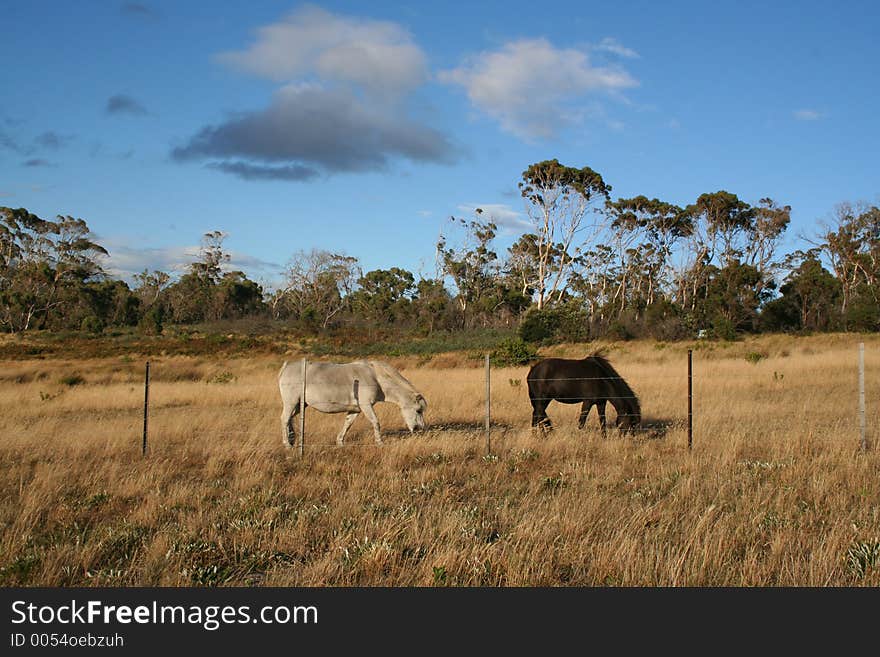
x,y
302,410
863,440
146,407
488,407
690,399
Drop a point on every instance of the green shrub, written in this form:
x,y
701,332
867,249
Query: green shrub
x,y
538,325
663,321
513,351
91,324
863,314
72,380
619,330
222,377
755,357
574,323
723,329
151,322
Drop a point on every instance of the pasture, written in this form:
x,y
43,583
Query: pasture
x,y
774,493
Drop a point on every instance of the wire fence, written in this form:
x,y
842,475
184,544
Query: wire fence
x,y
679,384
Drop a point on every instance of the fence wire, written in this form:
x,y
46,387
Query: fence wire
x,y
689,381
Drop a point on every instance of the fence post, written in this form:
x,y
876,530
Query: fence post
x,y
488,407
302,410
690,399
863,441
146,407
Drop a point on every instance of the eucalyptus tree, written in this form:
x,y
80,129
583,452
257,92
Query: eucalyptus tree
x,y
765,235
717,219
193,297
149,286
810,296
432,306
593,276
852,246
559,202
471,263
317,286
645,231
44,266
384,295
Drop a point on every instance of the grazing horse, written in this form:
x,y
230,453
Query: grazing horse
x,y
349,388
589,381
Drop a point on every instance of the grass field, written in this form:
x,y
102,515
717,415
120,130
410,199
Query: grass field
x,y
774,493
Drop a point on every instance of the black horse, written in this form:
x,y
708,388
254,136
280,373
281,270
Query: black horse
x,y
589,381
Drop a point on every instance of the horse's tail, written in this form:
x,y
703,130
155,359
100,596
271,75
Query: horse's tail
x,y
283,367
627,399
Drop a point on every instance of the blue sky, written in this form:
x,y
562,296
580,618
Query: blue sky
x,y
360,128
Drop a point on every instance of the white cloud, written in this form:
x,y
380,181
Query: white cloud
x,y
532,88
500,214
807,115
340,108
125,261
609,44
378,56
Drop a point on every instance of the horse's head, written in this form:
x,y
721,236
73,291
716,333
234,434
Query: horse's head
x,y
627,422
414,412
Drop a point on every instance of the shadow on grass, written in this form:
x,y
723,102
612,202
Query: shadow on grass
x,y
652,427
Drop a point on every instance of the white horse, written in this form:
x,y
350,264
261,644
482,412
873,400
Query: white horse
x,y
349,388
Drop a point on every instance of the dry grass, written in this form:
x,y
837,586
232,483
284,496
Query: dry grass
x,y
774,492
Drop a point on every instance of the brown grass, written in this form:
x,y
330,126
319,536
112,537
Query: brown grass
x,y
774,493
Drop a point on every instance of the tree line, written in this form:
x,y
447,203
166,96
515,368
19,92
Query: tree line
x,y
586,266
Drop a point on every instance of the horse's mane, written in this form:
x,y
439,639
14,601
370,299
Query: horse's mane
x,y
387,374
624,393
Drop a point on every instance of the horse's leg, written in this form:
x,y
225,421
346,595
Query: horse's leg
x,y
585,412
539,414
367,408
600,408
349,420
287,432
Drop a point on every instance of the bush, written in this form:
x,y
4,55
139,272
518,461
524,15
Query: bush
x,y
91,324
568,322
513,351
539,324
222,377
723,329
863,314
71,380
619,330
574,323
151,322
780,315
663,321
